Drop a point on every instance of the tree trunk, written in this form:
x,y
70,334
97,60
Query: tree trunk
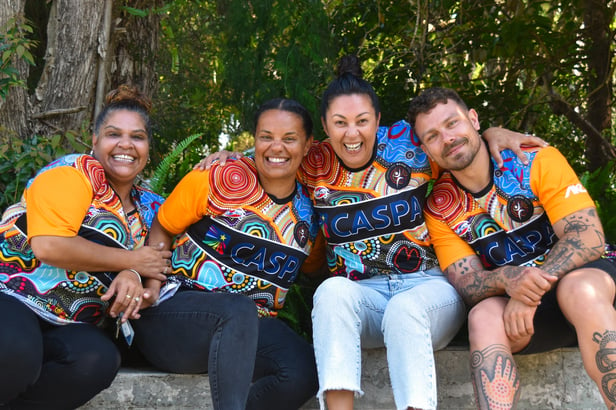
x,y
14,110
135,41
92,46
597,20
68,81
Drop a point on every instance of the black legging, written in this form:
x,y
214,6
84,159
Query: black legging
x,y
44,366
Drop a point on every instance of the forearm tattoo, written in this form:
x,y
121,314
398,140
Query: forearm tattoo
x,y
472,281
605,359
495,378
582,242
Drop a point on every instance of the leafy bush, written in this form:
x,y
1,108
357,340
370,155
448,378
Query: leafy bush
x,y
601,185
14,43
21,159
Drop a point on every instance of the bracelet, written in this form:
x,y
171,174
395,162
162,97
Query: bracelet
x,y
136,273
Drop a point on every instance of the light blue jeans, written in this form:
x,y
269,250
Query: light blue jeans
x,y
411,315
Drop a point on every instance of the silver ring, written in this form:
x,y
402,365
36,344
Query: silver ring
x,y
136,298
128,296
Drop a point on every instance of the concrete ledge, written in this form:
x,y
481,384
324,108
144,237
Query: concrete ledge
x,y
554,380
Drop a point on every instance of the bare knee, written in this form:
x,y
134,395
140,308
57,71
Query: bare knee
x,y
585,288
485,320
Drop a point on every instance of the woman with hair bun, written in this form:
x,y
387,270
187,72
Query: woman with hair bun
x,y
71,259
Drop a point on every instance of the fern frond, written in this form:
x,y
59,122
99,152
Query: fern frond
x,y
162,172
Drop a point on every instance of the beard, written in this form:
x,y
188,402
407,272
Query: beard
x,y
460,160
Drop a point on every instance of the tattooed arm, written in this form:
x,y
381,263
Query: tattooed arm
x,y
580,240
474,283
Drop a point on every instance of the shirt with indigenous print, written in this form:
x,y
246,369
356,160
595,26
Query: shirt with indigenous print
x,y
69,197
372,218
510,221
235,237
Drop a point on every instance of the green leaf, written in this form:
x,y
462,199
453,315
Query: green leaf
x,y
135,12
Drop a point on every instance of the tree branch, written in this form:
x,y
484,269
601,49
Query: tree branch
x,y
59,111
561,107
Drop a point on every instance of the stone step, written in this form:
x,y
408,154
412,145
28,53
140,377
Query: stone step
x,y
554,380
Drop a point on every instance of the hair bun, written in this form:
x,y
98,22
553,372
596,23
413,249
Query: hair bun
x,y
350,64
128,93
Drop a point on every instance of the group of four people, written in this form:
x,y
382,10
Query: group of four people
x,y
224,248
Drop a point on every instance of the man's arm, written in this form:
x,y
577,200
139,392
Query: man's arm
x,y
580,240
501,138
474,283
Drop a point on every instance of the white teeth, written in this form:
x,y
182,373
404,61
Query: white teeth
x,y
353,147
124,158
272,159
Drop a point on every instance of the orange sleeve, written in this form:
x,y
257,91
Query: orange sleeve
x,y
449,247
557,186
57,202
187,203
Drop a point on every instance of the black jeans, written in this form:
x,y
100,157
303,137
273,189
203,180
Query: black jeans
x,y
43,366
252,363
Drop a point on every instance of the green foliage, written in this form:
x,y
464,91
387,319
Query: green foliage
x,y
21,159
220,60
14,44
172,168
510,60
601,185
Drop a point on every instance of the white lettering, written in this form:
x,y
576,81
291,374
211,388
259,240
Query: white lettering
x,y
574,190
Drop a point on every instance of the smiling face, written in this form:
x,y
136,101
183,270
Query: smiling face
x,y
351,124
122,147
449,135
280,146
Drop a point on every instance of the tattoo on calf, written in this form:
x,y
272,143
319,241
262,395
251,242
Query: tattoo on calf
x,y
495,378
605,359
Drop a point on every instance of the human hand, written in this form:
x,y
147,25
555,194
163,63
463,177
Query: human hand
x,y
151,293
152,261
518,318
528,284
220,156
128,292
501,138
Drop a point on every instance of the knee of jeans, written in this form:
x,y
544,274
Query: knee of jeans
x,y
242,306
334,294
410,309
